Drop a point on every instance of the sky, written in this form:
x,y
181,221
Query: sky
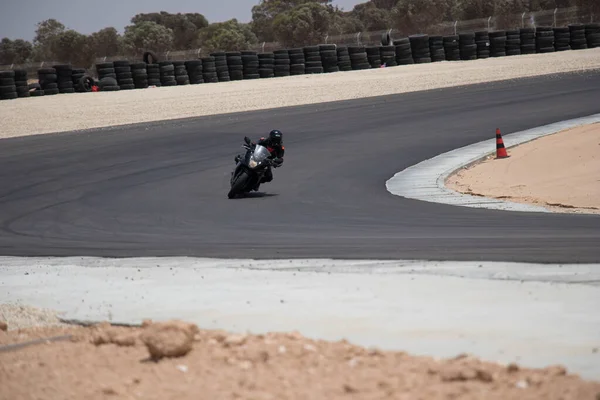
x,y
19,17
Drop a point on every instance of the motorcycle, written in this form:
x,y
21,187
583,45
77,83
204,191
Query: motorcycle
x,y
249,169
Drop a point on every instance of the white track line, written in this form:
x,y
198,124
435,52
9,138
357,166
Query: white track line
x,y
426,181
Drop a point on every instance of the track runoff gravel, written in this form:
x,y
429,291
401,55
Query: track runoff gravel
x,y
176,360
78,111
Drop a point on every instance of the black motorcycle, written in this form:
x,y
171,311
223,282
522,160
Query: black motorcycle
x,y
249,169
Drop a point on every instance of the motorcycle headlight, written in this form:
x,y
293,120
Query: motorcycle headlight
x,y
252,163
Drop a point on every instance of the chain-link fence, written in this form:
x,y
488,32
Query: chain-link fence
x,y
554,18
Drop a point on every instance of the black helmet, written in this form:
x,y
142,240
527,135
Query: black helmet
x,y
275,136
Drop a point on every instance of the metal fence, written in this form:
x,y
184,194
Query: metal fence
x,y
554,18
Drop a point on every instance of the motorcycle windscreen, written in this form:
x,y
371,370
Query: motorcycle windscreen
x,y
260,154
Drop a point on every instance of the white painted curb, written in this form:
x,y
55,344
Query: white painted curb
x,y
425,181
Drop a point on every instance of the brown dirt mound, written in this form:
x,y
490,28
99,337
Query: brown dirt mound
x,y
177,360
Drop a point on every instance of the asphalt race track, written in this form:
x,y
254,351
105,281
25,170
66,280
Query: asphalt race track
x,y
160,189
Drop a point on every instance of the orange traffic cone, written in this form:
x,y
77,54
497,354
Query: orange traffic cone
x,y
500,149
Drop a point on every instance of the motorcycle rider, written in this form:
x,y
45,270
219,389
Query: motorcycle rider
x,y
273,143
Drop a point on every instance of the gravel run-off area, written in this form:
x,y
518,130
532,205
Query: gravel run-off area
x,y
30,116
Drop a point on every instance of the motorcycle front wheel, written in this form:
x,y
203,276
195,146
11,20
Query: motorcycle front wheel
x,y
238,185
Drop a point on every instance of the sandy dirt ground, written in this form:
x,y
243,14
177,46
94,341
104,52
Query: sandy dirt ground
x,y
176,360
29,116
560,172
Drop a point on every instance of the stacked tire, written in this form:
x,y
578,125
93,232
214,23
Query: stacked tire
x,y
297,61
388,55
21,85
592,34
139,74
282,65
513,43
470,45
358,57
403,51
153,71
209,70
106,70
251,64
374,56
194,70
35,90
578,39
8,88
181,74
167,73
562,39
343,56
64,75
527,40
221,66
451,48
436,48
234,65
497,44
76,76
544,39
329,58
124,75
108,84
313,63
266,65
420,48
48,81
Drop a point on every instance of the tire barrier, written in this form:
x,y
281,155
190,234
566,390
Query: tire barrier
x,y
420,48
167,73
403,52
436,48
527,40
297,60
325,58
388,56
266,65
181,75
314,64
8,88
282,63
513,43
592,33
482,46
153,71
124,75
358,57
209,70
562,39
498,44
373,56
64,78
47,78
578,38
451,48
221,66
329,58
21,85
235,65
140,75
544,39
194,70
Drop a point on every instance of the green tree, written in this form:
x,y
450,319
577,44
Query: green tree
x,y
372,18
185,27
227,36
147,35
15,52
418,15
46,34
105,42
264,14
303,25
74,48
